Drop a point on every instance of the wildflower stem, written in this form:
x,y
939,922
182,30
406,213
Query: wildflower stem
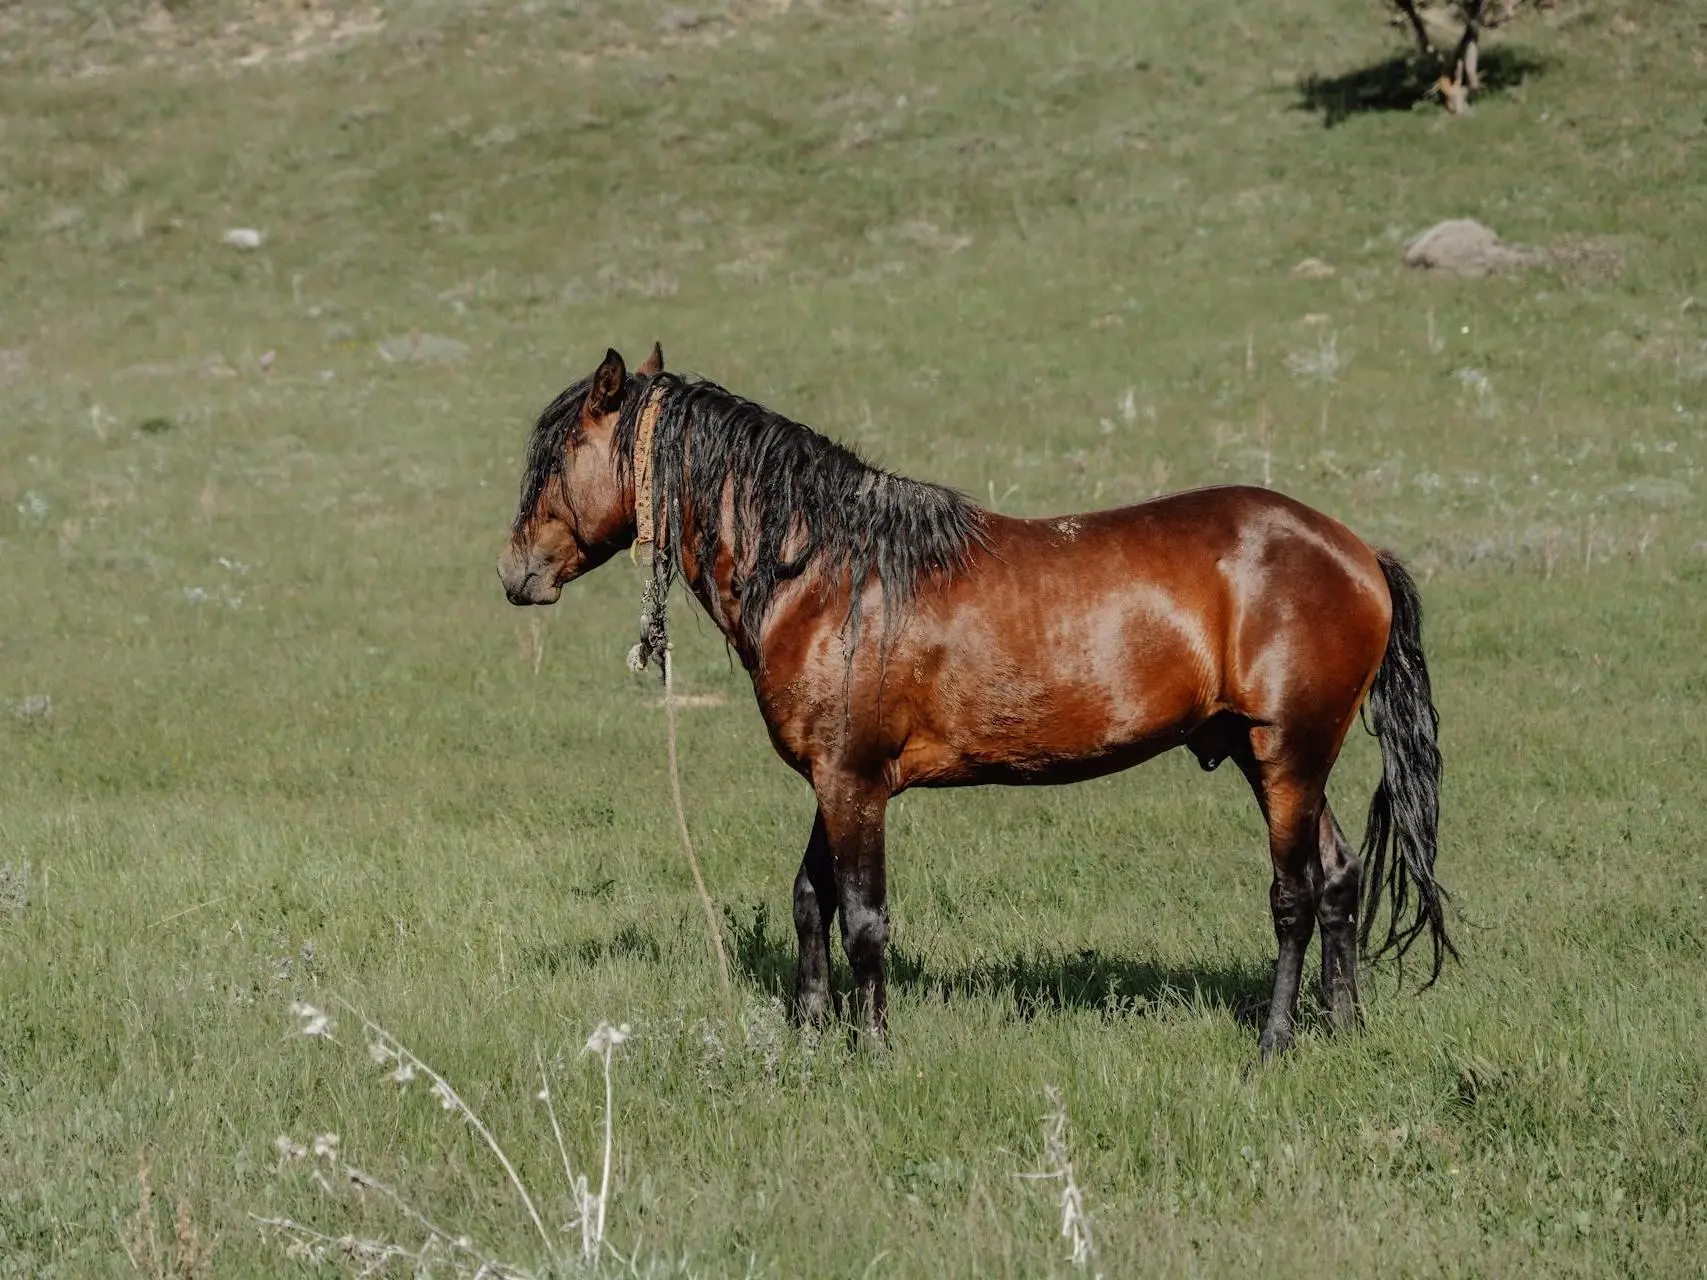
x,y
604,1178
454,1101
1075,1222
368,1182
372,1255
556,1129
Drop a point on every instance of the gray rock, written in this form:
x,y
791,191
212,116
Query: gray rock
x,y
422,348
680,19
1464,247
36,706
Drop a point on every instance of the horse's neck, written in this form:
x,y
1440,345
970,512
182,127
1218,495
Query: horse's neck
x,y
715,590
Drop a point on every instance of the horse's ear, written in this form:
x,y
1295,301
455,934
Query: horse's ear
x,y
653,363
606,394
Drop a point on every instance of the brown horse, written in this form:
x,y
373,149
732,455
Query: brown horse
x,y
899,636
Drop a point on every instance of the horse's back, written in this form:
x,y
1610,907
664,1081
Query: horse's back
x,y
1292,604
1214,520
1089,641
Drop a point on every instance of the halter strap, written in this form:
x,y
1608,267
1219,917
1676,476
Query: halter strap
x,y
645,536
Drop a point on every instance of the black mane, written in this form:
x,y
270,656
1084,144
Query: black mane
x,y
789,485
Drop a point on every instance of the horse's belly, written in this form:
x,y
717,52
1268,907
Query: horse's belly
x,y
934,764
1050,680
1007,728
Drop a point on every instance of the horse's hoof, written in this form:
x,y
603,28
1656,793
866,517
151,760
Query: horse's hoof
x,y
867,1036
1274,1043
812,1012
1342,1011
1344,1019
864,1040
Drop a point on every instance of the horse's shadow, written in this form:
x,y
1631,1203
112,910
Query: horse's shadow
x,y
1038,982
1398,84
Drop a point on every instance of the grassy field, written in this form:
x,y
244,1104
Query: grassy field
x,y
270,733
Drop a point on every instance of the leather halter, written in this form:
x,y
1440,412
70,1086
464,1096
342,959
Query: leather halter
x,y
645,537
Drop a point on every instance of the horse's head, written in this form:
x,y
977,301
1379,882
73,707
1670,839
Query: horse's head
x,y
577,504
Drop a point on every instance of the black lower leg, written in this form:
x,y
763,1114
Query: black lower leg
x,y
1336,913
1293,904
853,811
814,908
865,934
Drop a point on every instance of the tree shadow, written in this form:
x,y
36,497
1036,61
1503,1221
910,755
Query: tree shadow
x,y
1398,84
1038,982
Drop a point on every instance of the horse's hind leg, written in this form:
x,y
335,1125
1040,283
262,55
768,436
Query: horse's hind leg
x,y
814,908
1292,805
1336,913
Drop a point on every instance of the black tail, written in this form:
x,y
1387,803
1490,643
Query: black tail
x,y
1404,815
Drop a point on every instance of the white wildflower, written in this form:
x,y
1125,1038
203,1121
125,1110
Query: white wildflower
x,y
606,1037
315,1022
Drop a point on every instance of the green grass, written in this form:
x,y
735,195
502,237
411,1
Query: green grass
x,y
298,744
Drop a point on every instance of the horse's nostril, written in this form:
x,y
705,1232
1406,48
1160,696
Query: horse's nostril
x,y
516,575
513,570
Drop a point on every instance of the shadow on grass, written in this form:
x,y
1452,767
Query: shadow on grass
x,y
1087,979
1038,982
628,943
1398,84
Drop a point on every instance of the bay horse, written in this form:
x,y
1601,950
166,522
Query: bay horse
x,y
899,636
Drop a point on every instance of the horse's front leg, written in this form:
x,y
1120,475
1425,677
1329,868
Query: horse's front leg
x,y
852,812
814,908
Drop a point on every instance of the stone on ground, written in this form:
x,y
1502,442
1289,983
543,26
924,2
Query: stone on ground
x,y
1464,247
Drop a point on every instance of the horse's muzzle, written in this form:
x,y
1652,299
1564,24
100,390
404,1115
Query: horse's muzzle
x,y
526,582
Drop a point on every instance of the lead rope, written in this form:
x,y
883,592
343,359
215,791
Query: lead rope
x,y
655,646
687,841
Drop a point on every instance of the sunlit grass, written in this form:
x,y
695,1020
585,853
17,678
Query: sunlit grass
x,y
268,729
